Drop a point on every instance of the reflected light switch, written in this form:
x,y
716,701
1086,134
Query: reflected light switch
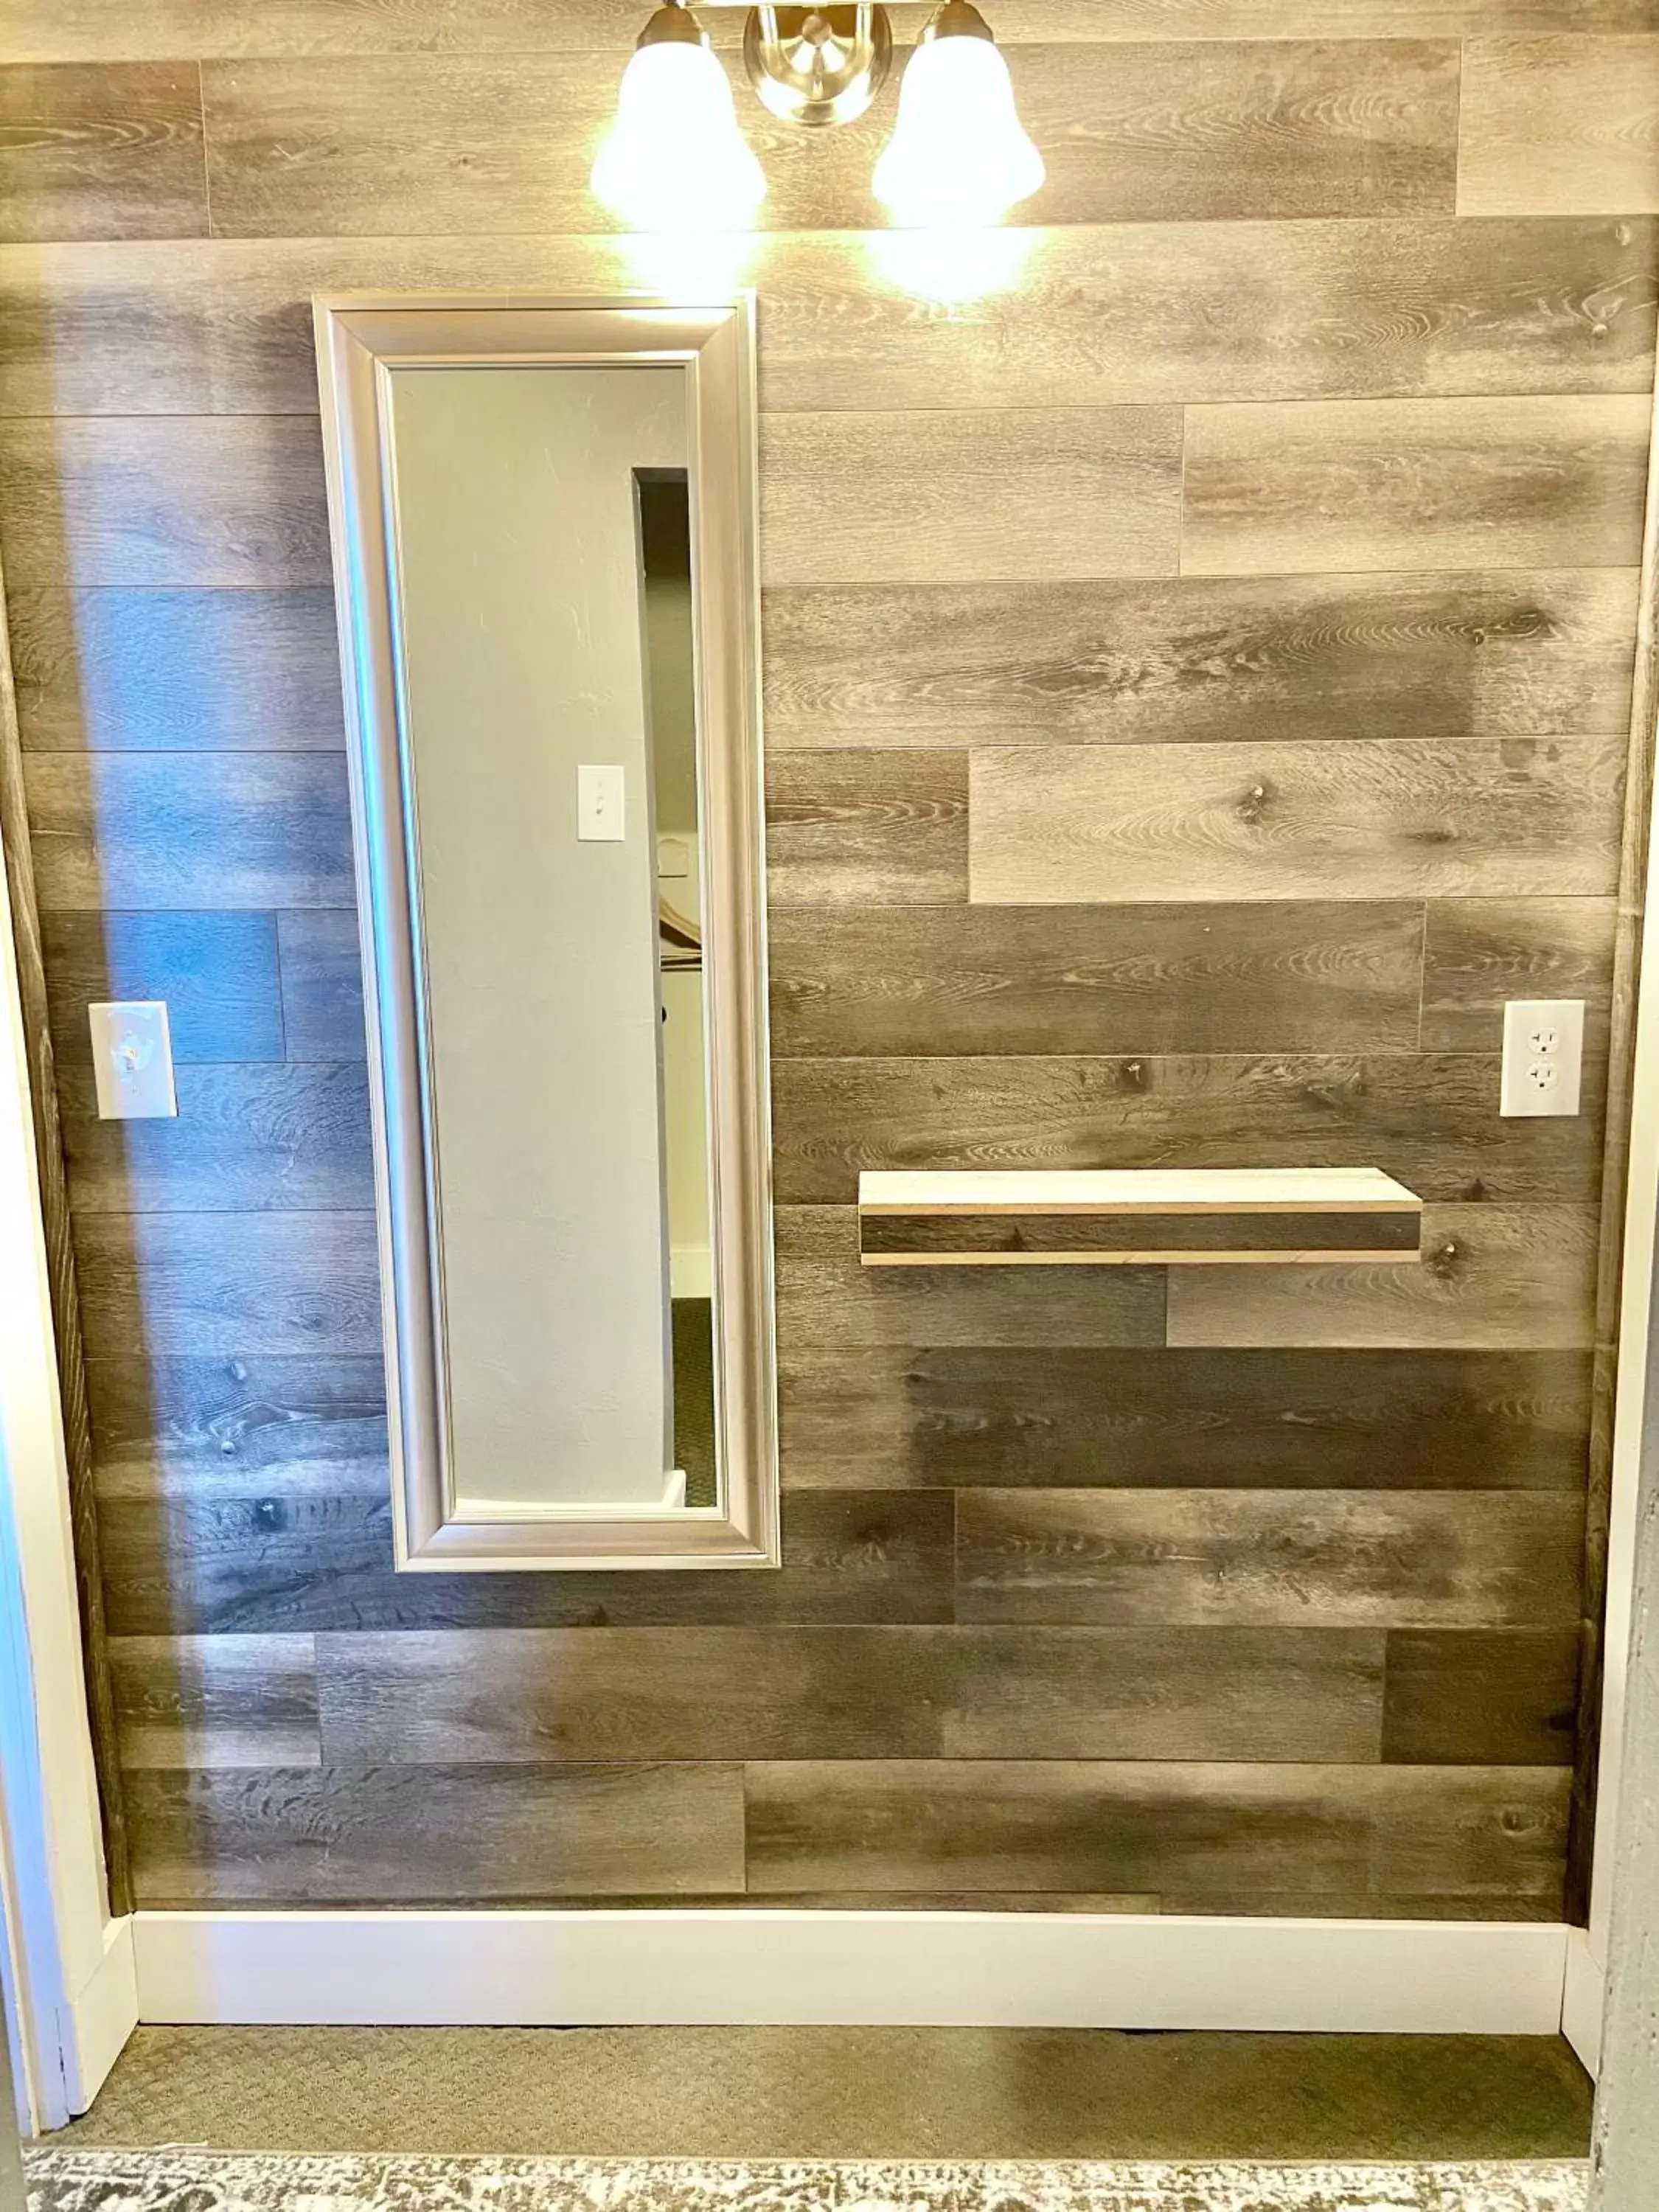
x,y
133,1059
599,805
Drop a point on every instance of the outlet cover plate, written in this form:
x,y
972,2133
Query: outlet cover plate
x,y
133,1059
1543,1057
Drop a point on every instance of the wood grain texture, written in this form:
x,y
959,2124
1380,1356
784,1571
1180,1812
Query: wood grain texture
x,y
1040,492
208,830
1489,1697
1029,1825
1480,952
1491,1277
1054,825
216,971
1265,1558
869,981
1404,485
1091,1419
1050,1240
202,1427
871,827
322,979
1560,125
534,1695
410,1834
113,151
1475,654
212,1701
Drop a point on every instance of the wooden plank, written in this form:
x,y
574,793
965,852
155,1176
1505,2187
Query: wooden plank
x,y
1414,483
414,1835
1048,1240
205,1284
1040,492
1056,825
1491,1277
872,981
1487,1697
1478,953
212,831
1430,1120
875,826
176,502
298,1424
106,151
322,985
218,1561
1564,125
1027,1825
1480,654
216,971
216,1701
825,1297
185,671
245,1139
1329,1559
1049,1416
533,1695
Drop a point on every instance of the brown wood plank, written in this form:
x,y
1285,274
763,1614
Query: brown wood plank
x,y
1089,1418
214,1701
1036,1239
873,981
531,1695
106,151
1055,825
416,1835
1480,952
1325,1559
322,985
1480,654
208,830
875,826
298,1424
1563,125
1033,493
1354,1831
172,501
1491,1277
210,1284
1488,1697
1414,483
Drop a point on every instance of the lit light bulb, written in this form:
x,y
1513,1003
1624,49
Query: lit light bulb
x,y
674,159
958,152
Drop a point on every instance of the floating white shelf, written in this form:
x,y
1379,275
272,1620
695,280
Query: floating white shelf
x,y
1137,1217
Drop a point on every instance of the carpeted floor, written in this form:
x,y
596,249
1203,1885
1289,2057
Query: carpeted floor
x,y
769,2092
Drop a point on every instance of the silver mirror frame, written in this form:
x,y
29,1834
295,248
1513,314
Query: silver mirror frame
x,y
362,339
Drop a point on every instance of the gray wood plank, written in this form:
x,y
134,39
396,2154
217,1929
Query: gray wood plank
x,y
1352,1830
875,826
1251,1236
1478,654
870,981
214,1701
531,1695
1561,125
169,831
216,971
245,1138
106,151
1487,1697
168,501
1087,1417
1028,493
322,985
416,1835
198,1428
1056,825
208,1283
186,672
1480,952
1329,1559
1414,483
1491,1277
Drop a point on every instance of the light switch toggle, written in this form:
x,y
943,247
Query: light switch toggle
x,y
599,805
133,1059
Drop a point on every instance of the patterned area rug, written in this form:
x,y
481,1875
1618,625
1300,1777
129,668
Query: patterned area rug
x,y
212,2181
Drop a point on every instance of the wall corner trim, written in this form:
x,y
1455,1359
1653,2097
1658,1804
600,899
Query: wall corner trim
x,y
1583,2000
98,2019
815,1968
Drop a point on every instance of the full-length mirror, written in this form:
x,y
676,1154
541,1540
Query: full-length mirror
x,y
544,559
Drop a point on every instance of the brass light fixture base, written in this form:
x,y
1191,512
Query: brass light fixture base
x,y
817,65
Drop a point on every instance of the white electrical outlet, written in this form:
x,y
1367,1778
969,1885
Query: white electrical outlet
x,y
133,1059
1543,1053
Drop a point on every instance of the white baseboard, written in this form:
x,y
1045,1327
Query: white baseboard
x,y
95,2026
1583,1999
929,1969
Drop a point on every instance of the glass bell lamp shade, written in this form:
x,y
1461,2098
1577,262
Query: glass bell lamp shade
x,y
959,153
674,159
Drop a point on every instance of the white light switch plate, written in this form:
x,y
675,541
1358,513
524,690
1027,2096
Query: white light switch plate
x,y
133,1059
1543,1056
599,806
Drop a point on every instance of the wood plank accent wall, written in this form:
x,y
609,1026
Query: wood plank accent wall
x,y
1198,678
